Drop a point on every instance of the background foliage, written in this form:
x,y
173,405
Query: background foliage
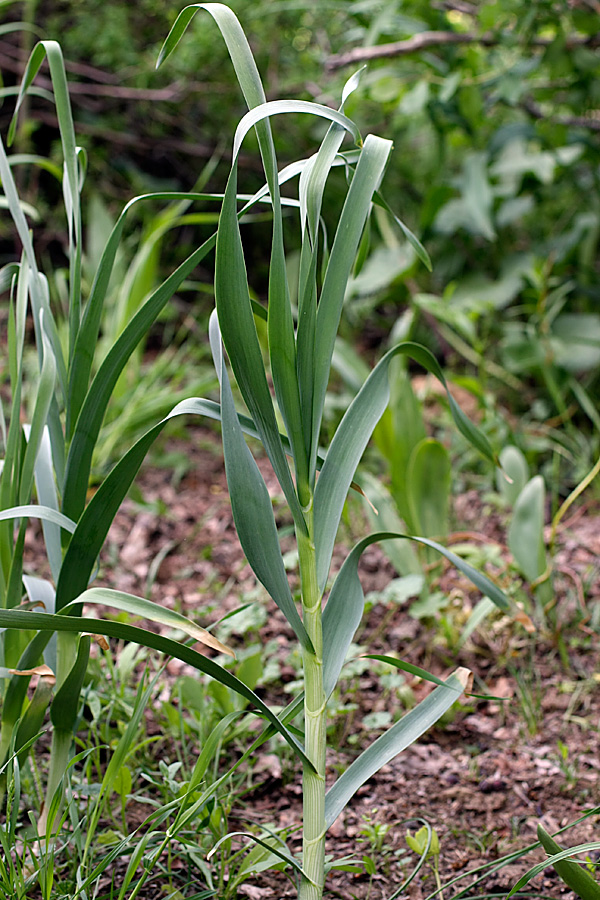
x,y
495,114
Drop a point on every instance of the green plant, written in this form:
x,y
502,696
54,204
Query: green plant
x,y
300,353
426,843
573,874
300,360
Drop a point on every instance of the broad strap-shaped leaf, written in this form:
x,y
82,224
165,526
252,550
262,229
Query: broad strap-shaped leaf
x,y
45,486
236,318
351,438
76,624
87,338
39,294
146,609
45,393
235,39
236,322
310,189
92,526
394,741
250,501
345,606
90,418
281,338
367,176
87,408
42,594
65,706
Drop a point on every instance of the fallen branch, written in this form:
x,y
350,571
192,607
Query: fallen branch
x,y
592,123
427,39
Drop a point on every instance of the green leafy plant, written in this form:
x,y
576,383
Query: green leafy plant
x,y
301,331
426,843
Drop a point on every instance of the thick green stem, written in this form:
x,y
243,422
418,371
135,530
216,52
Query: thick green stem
x,y
313,843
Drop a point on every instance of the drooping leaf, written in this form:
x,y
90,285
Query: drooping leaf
x,y
351,438
345,606
13,618
146,609
388,745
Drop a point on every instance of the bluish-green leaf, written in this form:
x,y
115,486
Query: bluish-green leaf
x,y
345,606
351,438
367,176
397,738
251,503
146,609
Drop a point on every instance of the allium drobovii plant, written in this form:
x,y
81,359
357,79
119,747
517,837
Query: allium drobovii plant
x,y
302,326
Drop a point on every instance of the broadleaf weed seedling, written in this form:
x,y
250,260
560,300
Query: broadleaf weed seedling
x,y
301,327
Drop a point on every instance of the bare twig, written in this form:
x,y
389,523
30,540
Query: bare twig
x,y
427,39
591,122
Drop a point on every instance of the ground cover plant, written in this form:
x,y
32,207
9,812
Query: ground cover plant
x,y
301,326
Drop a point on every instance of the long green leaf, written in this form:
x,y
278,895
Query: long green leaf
x,y
397,738
93,525
65,706
250,501
87,337
37,287
86,410
352,436
88,425
76,624
277,107
146,609
72,182
45,486
311,188
368,174
236,321
345,606
45,392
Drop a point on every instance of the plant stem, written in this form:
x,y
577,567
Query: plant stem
x,y
313,782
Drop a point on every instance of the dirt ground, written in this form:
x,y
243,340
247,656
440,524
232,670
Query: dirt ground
x,y
483,780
